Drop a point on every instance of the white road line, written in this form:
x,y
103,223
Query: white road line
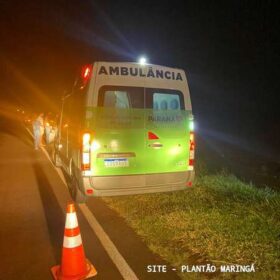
x,y
116,257
121,264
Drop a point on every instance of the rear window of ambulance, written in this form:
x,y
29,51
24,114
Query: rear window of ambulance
x,y
141,98
164,99
121,97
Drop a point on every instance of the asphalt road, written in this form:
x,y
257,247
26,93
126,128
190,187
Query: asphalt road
x,y
33,199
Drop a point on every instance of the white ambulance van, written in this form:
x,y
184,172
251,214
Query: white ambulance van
x,y
126,128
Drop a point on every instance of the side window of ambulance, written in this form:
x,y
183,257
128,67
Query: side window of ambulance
x,y
78,106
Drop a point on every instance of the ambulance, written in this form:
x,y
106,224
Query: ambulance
x,y
126,128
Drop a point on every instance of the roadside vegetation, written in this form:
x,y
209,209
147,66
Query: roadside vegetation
x,y
219,221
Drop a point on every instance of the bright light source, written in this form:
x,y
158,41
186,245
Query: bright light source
x,y
86,158
142,60
191,125
86,138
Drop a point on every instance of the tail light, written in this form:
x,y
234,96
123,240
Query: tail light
x,y
192,147
86,151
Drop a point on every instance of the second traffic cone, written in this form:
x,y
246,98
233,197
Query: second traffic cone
x,y
74,265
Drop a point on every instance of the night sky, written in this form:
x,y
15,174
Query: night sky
x,y
229,50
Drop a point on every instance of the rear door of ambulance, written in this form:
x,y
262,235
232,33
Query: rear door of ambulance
x,y
116,119
167,136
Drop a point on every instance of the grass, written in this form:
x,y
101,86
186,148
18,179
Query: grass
x,y
220,220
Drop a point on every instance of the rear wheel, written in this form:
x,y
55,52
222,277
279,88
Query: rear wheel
x,y
75,192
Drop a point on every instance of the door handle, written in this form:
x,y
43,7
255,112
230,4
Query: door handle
x,y
155,145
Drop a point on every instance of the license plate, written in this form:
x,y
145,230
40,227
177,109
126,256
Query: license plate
x,y
116,162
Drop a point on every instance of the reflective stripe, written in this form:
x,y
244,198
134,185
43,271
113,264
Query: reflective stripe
x,y
70,232
71,220
72,242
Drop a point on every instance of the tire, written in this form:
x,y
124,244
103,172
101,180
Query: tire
x,y
77,195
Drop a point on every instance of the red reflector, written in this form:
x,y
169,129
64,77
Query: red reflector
x,y
152,136
85,167
191,162
189,184
89,191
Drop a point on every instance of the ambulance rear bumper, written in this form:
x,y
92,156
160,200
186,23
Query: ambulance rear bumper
x,y
137,184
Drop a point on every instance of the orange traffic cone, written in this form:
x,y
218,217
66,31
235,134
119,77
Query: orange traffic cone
x,y
74,265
